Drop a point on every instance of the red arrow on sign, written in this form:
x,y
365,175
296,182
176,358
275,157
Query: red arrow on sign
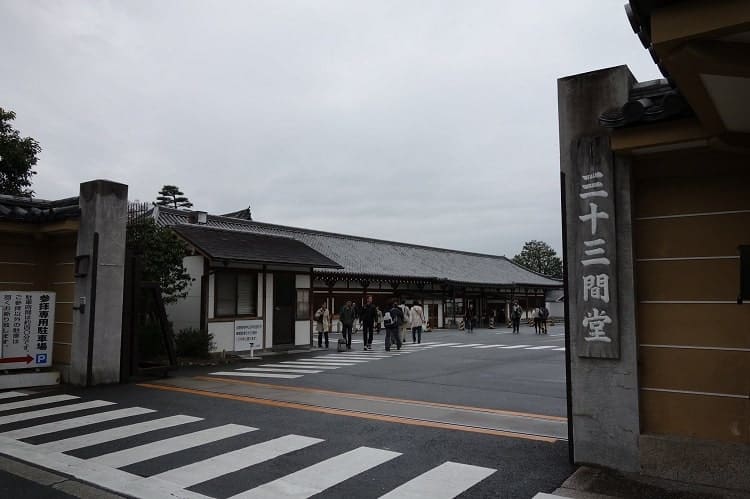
x,y
13,360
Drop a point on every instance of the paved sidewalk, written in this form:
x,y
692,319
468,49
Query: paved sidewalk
x,y
594,483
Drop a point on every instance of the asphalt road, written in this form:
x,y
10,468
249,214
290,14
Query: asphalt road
x,y
300,452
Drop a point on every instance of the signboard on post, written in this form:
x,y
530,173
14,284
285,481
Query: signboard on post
x,y
595,253
27,324
247,334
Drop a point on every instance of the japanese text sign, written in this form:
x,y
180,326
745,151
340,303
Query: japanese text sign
x,y
27,323
595,280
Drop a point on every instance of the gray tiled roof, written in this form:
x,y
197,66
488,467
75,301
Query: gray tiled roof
x,y
25,209
220,244
360,256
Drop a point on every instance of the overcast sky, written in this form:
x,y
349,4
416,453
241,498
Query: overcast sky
x,y
422,121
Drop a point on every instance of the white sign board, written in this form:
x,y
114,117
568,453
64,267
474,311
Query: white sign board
x,y
27,324
247,334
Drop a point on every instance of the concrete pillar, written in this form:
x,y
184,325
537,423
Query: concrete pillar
x,y
604,392
97,329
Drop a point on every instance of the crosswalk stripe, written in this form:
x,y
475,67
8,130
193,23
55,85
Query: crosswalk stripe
x,y
280,370
310,362
109,478
467,345
53,411
491,346
543,347
559,349
306,366
515,346
67,424
256,375
318,477
374,356
119,459
120,432
9,406
208,469
320,359
10,395
442,482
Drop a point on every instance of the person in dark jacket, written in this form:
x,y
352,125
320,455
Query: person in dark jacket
x,y
346,316
392,329
368,315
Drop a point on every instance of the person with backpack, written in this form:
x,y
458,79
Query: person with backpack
x,y
346,316
544,311
322,323
537,316
392,321
378,320
515,317
368,315
417,319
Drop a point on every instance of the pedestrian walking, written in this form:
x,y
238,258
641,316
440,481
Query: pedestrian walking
x,y
367,316
537,317
405,324
346,316
416,321
515,317
378,320
392,320
469,318
322,323
545,315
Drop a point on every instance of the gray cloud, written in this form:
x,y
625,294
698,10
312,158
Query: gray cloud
x,y
429,122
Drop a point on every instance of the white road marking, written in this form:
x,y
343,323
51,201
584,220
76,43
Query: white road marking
x,y
321,359
443,482
306,366
559,349
543,347
9,406
311,363
118,433
119,459
492,346
67,424
256,375
316,478
9,395
467,345
208,469
279,370
442,344
103,476
515,346
53,411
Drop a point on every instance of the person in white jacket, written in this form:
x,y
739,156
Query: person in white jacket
x,y
417,321
406,325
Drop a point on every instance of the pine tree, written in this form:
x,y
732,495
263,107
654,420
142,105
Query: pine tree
x,y
171,195
540,257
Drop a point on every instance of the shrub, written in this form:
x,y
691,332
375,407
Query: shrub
x,y
194,343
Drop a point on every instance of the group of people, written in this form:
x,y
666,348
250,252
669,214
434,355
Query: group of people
x,y
540,316
397,319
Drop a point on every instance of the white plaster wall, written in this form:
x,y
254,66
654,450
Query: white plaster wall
x,y
303,281
556,309
187,312
302,333
223,335
268,307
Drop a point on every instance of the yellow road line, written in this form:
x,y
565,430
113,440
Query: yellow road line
x,y
342,412
385,399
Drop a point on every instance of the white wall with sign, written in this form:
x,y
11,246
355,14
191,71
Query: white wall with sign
x,y
27,325
248,334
